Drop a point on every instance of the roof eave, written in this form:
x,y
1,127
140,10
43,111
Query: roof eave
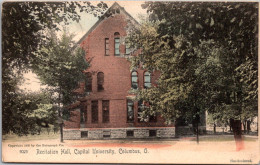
x,y
101,19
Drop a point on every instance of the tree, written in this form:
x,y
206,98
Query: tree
x,y
249,77
24,24
24,27
24,119
198,49
44,115
61,67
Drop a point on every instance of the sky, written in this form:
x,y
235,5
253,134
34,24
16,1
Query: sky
x,y
132,7
32,83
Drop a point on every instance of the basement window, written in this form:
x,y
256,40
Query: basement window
x,y
84,134
130,133
106,134
152,133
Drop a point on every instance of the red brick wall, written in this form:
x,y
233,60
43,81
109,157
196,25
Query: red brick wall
x,y
74,121
117,76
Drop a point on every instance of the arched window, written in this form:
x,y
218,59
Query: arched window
x,y
88,82
100,81
127,47
134,80
116,34
147,80
117,43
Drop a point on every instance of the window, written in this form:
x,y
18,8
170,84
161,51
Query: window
x,y
106,134
134,80
107,46
152,133
147,79
127,48
140,106
117,43
84,134
130,111
153,118
105,109
147,118
94,110
100,81
83,114
129,133
88,84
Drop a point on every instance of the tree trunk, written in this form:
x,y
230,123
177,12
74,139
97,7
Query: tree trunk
x,y
244,126
197,133
60,118
48,130
61,126
214,128
236,126
61,133
248,126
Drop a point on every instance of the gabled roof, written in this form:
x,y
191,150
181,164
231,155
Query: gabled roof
x,y
103,17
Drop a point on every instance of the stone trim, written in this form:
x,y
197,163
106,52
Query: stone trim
x,y
119,133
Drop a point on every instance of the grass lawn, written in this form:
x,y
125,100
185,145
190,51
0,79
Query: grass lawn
x,y
42,136
203,138
222,138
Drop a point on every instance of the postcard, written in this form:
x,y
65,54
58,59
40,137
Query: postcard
x,y
158,82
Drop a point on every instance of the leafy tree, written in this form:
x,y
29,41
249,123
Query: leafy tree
x,y
24,27
24,24
44,115
25,106
61,67
9,95
203,52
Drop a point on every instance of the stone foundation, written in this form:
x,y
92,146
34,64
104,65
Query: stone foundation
x,y
71,134
141,133
120,133
165,132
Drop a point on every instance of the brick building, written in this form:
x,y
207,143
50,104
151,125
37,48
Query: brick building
x,y
107,110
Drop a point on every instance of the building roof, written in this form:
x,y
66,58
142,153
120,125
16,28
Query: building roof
x,y
114,6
